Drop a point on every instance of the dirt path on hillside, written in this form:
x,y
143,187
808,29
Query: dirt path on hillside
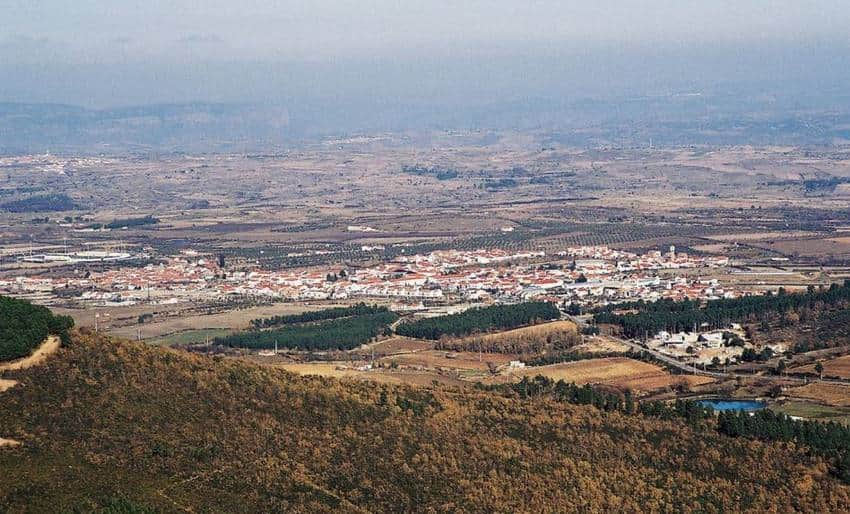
x,y
49,346
5,384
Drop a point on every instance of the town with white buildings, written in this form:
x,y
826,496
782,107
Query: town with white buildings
x,y
583,275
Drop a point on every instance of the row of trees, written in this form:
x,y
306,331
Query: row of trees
x,y
359,309
334,334
132,222
609,399
652,317
480,320
437,172
41,203
23,326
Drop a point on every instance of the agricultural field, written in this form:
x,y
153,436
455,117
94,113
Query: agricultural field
x,y
531,340
837,367
395,345
187,337
436,359
600,344
168,320
810,410
620,372
540,331
836,395
385,376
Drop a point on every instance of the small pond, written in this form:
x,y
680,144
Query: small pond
x,y
744,405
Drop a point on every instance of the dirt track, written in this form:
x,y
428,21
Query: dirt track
x,y
49,346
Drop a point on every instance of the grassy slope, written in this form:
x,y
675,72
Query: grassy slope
x,y
168,430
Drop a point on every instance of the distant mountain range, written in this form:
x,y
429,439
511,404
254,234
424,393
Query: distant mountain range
x,y
685,118
184,127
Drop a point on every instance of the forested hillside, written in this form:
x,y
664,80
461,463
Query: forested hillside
x,y
825,307
109,423
23,326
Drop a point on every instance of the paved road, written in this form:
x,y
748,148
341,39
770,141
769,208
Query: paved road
x,y
581,321
718,374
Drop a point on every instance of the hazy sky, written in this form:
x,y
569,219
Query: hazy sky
x,y
118,52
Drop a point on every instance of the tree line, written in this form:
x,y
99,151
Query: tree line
x,y
830,440
480,320
333,334
132,222
41,203
24,326
672,316
318,444
359,309
608,399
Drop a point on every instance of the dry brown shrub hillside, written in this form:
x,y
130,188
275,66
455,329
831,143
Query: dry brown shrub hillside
x,y
173,432
533,340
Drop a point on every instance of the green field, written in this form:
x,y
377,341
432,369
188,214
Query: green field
x,y
187,337
811,410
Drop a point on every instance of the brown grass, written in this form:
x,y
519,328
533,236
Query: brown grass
x,y
452,360
619,372
400,345
339,370
233,319
534,331
838,367
830,394
556,335
601,344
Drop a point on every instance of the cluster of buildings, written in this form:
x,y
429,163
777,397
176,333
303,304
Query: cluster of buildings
x,y
52,163
702,345
584,275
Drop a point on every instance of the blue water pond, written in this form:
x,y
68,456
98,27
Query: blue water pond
x,y
744,405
